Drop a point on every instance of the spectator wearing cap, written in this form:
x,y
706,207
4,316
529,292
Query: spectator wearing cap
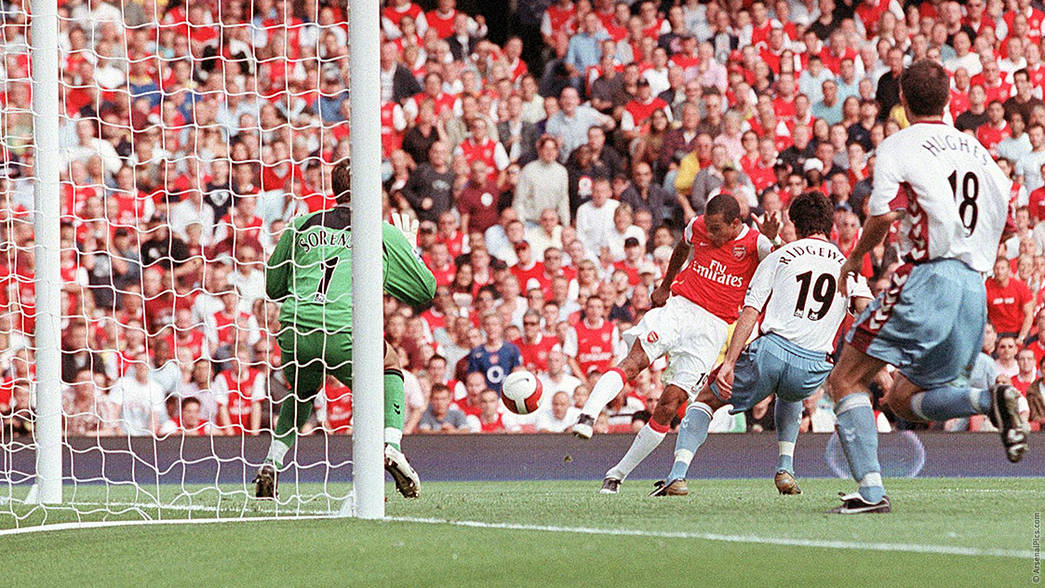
x,y
595,217
543,183
638,111
430,188
573,120
643,194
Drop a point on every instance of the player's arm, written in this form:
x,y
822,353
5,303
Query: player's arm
x,y
277,270
758,293
679,256
744,326
407,279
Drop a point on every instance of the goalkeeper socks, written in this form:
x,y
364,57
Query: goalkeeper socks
x,y
692,433
277,451
606,388
647,439
293,415
948,402
859,437
787,417
394,408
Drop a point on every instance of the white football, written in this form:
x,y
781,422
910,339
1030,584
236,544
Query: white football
x,y
521,392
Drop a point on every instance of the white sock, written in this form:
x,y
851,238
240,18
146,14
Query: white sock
x,y
646,440
277,450
606,388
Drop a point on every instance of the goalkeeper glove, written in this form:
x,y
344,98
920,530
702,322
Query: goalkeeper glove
x,y
407,225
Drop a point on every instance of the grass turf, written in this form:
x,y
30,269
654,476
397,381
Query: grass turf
x,y
984,514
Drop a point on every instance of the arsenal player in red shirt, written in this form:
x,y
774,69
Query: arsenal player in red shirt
x,y
704,285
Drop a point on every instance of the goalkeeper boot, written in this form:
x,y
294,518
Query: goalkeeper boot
x,y
855,504
266,482
676,487
407,482
1005,415
786,483
585,427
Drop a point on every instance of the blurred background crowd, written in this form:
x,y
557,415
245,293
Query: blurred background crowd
x,y
552,151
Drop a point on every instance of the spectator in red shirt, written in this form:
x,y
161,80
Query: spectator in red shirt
x,y
1010,303
489,418
1028,371
996,129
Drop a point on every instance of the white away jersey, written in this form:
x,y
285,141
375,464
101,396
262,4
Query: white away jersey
x,y
799,281
956,197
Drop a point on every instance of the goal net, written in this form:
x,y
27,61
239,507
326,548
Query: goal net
x,y
190,134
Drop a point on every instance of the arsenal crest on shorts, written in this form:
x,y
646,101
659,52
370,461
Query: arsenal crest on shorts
x,y
739,251
652,337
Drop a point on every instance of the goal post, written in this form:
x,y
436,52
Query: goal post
x,y
368,327
48,285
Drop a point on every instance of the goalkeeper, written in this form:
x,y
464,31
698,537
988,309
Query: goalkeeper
x,y
310,275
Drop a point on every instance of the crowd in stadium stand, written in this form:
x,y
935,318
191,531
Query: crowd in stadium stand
x,y
552,151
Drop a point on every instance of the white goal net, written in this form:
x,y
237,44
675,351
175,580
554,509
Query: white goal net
x,y
190,133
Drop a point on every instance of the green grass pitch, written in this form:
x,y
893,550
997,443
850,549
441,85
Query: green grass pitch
x,y
943,531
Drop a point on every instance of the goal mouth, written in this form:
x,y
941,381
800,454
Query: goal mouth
x,y
154,160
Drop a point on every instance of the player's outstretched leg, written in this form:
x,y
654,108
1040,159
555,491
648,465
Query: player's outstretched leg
x,y
788,418
692,433
647,439
607,387
999,403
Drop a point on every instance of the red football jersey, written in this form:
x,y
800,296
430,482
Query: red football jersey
x,y
535,355
594,346
240,402
717,277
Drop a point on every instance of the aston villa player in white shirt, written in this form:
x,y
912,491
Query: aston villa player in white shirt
x,y
795,292
952,201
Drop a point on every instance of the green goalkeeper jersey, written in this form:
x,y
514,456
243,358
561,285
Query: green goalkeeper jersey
x,y
310,271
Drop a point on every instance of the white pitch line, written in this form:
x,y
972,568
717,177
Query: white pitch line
x,y
786,541
783,541
75,526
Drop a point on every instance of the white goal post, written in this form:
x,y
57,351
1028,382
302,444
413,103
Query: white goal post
x,y
368,358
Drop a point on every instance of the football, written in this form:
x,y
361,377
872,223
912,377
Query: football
x,y
521,392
